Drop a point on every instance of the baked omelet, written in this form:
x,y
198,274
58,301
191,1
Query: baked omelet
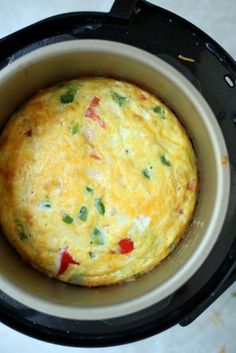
x,y
98,181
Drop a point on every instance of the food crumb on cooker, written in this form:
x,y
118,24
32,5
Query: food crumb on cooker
x,y
186,58
224,160
222,350
215,318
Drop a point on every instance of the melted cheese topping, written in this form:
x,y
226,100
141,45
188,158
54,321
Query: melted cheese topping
x,y
98,181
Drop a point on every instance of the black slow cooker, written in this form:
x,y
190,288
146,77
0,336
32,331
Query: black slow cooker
x,y
175,41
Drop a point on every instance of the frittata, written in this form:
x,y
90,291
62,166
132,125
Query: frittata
x,y
98,181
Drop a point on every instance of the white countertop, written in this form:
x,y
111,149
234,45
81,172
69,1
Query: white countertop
x,y
215,330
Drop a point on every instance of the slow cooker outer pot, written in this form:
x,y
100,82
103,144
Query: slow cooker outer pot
x,y
62,61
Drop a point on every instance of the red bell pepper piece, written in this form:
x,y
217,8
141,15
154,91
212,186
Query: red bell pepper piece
x,y
191,185
65,260
28,133
95,156
126,246
91,113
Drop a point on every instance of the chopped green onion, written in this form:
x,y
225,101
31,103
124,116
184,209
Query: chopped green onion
x,y
92,255
83,213
76,278
158,110
172,246
146,173
68,96
118,98
97,237
75,128
137,274
67,219
165,161
45,204
90,190
99,206
23,236
21,232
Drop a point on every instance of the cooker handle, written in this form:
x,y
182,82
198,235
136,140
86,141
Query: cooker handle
x,y
123,9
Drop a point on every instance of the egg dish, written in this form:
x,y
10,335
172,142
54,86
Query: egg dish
x,y
98,181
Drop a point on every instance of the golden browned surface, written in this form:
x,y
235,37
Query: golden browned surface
x,y
98,181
